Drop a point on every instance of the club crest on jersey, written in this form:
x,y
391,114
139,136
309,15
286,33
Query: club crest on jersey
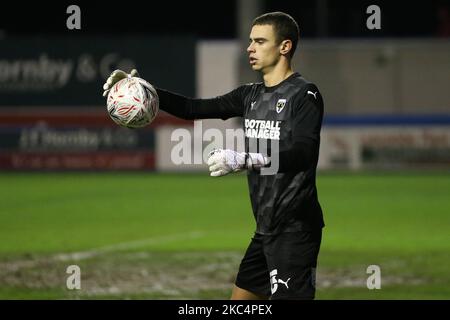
x,y
280,105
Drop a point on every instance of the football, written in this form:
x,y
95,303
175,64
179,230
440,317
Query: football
x,y
133,103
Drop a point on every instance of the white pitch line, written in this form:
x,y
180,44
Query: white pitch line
x,y
81,255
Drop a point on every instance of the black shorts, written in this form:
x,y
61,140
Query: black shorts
x,y
282,266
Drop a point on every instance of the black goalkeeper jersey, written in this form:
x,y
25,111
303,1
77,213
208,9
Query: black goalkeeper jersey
x,y
288,114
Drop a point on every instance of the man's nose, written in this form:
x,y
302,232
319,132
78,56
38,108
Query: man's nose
x,y
250,48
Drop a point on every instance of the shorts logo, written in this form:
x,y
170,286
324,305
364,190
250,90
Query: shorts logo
x,y
274,281
280,105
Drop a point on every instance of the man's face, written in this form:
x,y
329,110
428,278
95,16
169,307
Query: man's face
x,y
263,50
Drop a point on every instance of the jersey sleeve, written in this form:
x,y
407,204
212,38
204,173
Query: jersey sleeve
x,y
225,106
308,115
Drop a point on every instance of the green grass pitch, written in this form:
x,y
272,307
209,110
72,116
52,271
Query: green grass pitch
x,y
173,236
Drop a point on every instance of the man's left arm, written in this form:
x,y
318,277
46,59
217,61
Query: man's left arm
x,y
302,155
307,123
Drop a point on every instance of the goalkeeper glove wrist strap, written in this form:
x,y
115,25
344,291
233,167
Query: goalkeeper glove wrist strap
x,y
255,161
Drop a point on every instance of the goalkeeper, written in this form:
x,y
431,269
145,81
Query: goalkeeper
x,y
284,110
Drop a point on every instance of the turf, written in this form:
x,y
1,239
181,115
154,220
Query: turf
x,y
399,221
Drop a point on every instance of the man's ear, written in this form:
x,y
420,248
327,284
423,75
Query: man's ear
x,y
285,46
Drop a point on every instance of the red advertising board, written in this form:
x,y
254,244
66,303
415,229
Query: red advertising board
x,y
75,140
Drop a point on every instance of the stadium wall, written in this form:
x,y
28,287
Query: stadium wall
x,y
372,92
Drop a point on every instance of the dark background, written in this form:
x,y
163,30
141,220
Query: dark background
x,y
218,19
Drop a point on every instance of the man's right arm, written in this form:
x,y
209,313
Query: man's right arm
x,y
223,107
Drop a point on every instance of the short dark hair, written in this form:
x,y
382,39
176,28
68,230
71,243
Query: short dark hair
x,y
285,27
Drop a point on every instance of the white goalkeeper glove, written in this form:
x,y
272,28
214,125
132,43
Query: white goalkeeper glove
x,y
115,77
224,161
